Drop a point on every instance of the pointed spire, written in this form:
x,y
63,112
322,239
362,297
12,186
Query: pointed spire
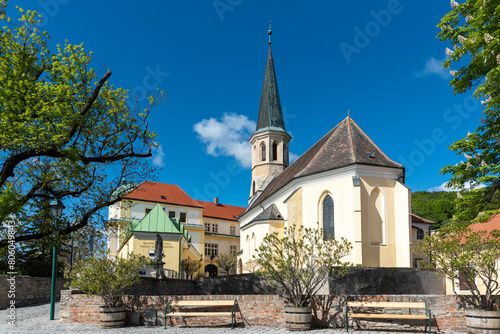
x,y
270,114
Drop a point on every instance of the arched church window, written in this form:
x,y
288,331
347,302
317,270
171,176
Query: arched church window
x,y
377,217
328,217
285,154
263,151
275,152
253,187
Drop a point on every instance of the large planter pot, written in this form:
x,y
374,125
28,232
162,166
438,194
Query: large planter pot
x,y
298,318
112,317
480,322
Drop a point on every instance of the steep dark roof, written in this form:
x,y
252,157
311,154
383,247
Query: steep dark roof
x,y
271,213
346,144
270,114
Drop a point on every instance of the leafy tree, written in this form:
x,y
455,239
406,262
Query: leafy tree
x,y
106,277
190,267
64,133
300,261
227,262
465,255
472,29
437,206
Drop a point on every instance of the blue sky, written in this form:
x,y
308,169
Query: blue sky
x,y
379,59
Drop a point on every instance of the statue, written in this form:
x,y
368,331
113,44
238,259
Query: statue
x,y
157,261
158,249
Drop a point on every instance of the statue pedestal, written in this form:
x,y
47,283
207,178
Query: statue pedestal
x,y
158,270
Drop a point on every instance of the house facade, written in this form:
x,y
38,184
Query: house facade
x,y
344,184
190,229
420,228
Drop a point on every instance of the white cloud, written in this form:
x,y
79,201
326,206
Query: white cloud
x,y
293,157
158,157
227,137
442,187
435,66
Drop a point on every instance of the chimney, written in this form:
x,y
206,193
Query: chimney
x,y
216,201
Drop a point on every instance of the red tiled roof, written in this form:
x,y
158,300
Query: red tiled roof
x,y
490,225
162,193
418,219
222,211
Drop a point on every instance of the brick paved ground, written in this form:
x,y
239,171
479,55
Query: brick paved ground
x,y
35,319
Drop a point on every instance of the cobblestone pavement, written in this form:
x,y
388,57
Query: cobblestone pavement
x,y
35,319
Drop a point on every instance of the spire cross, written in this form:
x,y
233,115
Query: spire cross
x,y
269,32
348,113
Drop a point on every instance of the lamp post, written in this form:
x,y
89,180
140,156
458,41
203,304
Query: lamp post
x,y
56,209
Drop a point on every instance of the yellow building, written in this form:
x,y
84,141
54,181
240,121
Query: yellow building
x,y
344,183
190,229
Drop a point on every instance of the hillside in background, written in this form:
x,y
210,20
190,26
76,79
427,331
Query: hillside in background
x,y
436,206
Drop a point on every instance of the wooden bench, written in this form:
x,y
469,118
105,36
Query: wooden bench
x,y
393,305
177,304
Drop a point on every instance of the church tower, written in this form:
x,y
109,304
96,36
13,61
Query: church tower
x,y
270,139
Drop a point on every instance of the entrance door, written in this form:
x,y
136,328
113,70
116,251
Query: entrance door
x,y
211,269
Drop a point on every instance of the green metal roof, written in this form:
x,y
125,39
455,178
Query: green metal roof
x,y
156,221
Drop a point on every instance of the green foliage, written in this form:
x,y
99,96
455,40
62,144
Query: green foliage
x,y
472,29
436,206
190,266
226,262
300,261
105,277
463,254
65,133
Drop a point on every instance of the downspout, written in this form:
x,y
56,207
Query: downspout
x,y
179,264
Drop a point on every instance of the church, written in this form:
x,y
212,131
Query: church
x,y
344,183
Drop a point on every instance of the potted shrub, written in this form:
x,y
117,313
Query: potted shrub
x,y
300,262
472,258
108,278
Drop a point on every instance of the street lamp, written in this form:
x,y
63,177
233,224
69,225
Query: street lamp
x,y
56,209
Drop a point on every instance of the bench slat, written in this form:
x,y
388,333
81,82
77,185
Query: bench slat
x,y
387,304
387,316
199,314
203,303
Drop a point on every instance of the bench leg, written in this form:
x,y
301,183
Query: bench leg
x,y
233,317
430,321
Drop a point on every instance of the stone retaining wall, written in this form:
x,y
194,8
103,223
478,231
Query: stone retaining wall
x,y
265,310
27,290
359,281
